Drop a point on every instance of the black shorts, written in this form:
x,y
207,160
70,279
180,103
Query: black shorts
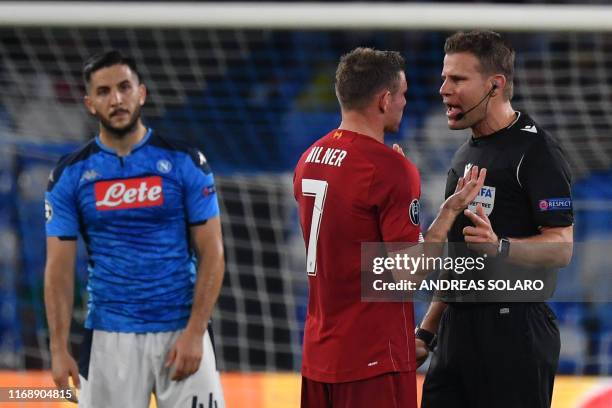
x,y
494,355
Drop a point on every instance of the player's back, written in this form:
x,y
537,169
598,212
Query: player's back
x,y
352,189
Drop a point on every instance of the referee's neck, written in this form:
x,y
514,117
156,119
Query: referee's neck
x,y
494,120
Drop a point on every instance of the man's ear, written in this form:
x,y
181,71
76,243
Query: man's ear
x,y
498,83
142,90
89,105
384,100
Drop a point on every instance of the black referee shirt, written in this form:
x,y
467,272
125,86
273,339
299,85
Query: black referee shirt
x,y
527,184
527,187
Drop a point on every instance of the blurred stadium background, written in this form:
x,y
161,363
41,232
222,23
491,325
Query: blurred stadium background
x,y
253,99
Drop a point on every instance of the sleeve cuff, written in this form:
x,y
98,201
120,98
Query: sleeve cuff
x,y
67,237
196,223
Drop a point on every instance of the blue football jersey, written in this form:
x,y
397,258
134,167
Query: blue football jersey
x,y
134,214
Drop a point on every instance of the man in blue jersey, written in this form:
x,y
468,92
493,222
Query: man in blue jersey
x,y
145,207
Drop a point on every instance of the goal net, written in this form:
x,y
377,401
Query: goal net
x,y
252,98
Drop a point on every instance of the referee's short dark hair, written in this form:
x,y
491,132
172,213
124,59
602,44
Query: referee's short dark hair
x,y
496,56
107,59
365,71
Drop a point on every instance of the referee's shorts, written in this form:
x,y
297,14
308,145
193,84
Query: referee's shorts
x,y
494,355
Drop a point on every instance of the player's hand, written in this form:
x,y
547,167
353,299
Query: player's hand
x,y
481,236
64,366
185,355
422,352
398,149
466,190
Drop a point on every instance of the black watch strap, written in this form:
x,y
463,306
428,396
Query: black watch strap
x,y
430,339
504,248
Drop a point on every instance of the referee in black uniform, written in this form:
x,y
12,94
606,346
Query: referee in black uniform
x,y
494,354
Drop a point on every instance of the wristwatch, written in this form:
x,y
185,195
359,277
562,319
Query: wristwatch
x,y
503,248
430,339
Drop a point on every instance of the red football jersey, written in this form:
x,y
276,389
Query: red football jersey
x,y
352,189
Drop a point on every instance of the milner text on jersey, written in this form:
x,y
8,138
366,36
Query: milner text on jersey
x,y
332,156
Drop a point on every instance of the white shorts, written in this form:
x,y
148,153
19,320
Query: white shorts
x,y
125,368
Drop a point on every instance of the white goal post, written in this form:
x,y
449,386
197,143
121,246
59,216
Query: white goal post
x,y
412,16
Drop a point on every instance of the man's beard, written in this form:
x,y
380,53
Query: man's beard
x,y
121,132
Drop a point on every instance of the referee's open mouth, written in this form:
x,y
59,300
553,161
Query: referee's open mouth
x,y
452,111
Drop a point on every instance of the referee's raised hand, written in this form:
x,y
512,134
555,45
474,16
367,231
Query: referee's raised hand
x,y
481,236
466,191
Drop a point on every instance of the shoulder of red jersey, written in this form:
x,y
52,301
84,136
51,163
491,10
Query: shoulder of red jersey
x,y
330,150
304,155
394,165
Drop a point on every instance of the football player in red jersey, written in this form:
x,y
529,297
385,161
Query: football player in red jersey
x,y
352,188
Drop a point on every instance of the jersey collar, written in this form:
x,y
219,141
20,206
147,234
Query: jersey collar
x,y
518,117
494,135
137,146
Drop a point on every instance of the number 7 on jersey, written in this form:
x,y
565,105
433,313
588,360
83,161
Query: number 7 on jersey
x,y
318,190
